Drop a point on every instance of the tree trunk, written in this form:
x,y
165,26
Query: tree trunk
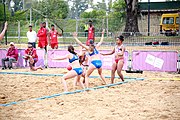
x,y
131,27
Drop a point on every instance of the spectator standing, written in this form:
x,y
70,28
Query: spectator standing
x,y
32,36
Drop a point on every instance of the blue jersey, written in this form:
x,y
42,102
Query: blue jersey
x,y
94,52
75,57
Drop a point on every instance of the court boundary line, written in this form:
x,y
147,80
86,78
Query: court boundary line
x,y
56,75
73,92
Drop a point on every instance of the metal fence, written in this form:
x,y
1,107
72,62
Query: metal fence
x,y
17,31
137,41
70,25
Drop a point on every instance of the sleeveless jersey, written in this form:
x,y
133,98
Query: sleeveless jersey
x,y
91,33
53,36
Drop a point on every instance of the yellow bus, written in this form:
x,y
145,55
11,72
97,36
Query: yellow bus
x,y
169,24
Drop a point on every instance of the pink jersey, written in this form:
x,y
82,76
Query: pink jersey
x,y
91,33
54,36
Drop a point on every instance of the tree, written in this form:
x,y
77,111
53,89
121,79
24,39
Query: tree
x,y
96,16
100,5
2,12
78,7
56,9
131,17
116,17
19,15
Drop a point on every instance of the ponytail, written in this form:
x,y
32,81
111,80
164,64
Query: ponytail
x,y
71,49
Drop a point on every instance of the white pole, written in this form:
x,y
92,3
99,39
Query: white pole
x,y
107,26
30,15
47,26
35,24
76,25
107,8
19,31
23,5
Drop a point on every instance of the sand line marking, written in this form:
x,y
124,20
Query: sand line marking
x,y
73,92
48,75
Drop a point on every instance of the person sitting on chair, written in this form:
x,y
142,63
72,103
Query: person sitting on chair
x,y
11,56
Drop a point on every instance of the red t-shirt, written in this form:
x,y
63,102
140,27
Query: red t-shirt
x,y
91,33
32,52
13,52
42,34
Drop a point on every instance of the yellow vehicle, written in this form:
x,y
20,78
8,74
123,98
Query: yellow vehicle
x,y
169,24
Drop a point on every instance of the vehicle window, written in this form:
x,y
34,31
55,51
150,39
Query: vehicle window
x,y
177,20
168,20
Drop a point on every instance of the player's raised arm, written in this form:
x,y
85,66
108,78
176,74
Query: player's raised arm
x,y
4,30
102,38
78,41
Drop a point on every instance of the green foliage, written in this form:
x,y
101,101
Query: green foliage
x,y
77,8
119,5
94,14
8,14
115,18
118,15
56,9
100,6
19,15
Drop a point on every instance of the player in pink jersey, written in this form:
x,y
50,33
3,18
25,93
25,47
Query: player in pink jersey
x,y
54,37
91,33
42,43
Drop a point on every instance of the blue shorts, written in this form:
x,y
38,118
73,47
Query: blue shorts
x,y
97,63
79,71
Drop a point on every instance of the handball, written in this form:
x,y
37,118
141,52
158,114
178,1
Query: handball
x,y
69,67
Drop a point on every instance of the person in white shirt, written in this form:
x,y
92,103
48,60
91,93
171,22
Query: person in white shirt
x,y
32,36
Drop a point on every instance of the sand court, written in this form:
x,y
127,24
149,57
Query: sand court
x,y
147,99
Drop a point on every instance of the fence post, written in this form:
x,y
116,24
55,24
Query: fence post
x,y
30,16
76,25
35,25
107,25
19,31
179,23
148,17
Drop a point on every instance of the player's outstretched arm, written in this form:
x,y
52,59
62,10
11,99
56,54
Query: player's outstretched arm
x,y
78,41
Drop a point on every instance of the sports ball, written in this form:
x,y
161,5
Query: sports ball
x,y
69,67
